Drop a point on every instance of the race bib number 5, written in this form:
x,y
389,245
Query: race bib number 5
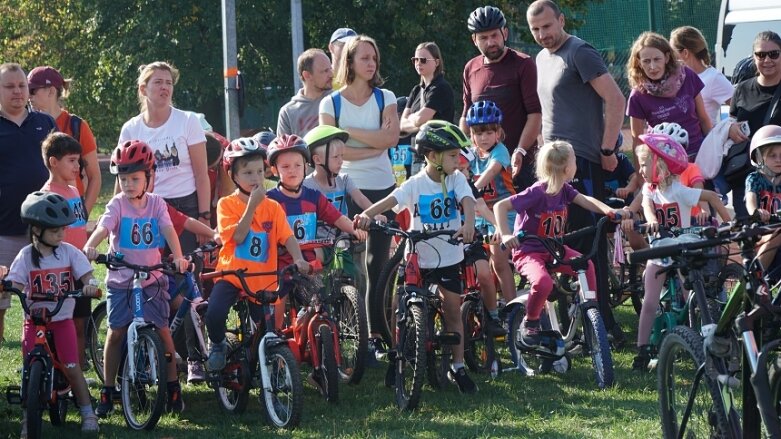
x,y
140,234
254,248
668,215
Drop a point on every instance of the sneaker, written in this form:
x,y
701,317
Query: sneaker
x,y
106,404
642,359
216,361
89,424
462,380
175,402
195,372
530,333
493,327
315,380
377,351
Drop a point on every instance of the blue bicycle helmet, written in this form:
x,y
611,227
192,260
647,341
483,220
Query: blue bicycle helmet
x,y
484,113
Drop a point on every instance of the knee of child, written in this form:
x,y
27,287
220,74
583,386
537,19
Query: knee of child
x,y
544,284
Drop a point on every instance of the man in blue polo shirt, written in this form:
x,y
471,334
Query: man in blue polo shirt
x,y
22,170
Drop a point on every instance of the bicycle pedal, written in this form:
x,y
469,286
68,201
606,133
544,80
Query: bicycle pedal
x,y
448,338
13,394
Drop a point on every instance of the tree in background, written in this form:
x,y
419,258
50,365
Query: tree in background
x,y
101,44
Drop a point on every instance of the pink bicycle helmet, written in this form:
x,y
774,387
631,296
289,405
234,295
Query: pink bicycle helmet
x,y
667,149
287,143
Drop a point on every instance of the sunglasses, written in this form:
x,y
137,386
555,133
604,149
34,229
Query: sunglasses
x,y
415,59
772,54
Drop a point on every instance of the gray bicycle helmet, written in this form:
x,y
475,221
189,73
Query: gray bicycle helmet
x,y
47,210
486,18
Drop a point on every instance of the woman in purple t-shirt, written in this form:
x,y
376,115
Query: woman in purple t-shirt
x,y
663,90
542,211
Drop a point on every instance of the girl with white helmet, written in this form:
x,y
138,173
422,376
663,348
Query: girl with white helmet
x,y
763,186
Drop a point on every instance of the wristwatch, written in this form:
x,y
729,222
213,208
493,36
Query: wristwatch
x,y
205,215
607,152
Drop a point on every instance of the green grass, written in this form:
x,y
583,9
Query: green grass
x,y
550,406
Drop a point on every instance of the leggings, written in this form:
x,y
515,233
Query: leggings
x,y
653,289
377,249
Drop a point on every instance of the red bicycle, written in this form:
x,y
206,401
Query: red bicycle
x,y
44,384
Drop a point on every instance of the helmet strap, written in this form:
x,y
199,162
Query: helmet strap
x,y
295,190
440,169
328,174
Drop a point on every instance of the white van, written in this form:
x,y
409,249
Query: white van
x,y
739,23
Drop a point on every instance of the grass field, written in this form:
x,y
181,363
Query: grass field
x,y
549,406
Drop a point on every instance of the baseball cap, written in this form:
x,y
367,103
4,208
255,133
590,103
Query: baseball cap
x,y
342,35
44,76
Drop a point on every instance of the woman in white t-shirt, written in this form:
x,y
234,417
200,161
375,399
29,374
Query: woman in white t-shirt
x,y
179,143
691,48
373,130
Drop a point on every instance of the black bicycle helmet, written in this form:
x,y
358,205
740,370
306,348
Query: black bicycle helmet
x,y
47,210
439,135
744,69
486,18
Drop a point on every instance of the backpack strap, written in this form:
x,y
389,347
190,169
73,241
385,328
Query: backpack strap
x,y
75,124
336,100
380,98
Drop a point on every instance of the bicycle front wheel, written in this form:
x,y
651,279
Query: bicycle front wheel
x,y
381,309
353,334
35,400
475,349
284,402
235,379
680,357
599,348
329,374
95,338
411,359
143,394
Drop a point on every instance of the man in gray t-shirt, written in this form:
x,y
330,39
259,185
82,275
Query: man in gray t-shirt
x,y
582,104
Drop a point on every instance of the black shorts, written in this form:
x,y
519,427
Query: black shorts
x,y
448,278
474,252
83,306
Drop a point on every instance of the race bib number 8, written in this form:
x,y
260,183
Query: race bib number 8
x,y
436,210
304,226
140,234
47,282
254,248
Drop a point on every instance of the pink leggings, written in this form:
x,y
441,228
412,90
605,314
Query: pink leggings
x,y
532,266
64,334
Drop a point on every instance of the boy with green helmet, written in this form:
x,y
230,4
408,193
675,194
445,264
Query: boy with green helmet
x,y
434,196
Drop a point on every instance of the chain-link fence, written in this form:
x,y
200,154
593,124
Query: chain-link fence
x,y
613,25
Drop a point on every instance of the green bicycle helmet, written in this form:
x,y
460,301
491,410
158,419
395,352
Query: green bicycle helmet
x,y
439,136
322,135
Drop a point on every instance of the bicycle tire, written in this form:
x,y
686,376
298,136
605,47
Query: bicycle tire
x,y
683,343
528,361
437,355
95,338
353,334
774,375
410,359
599,348
36,396
329,373
58,410
475,347
285,382
381,310
142,411
235,379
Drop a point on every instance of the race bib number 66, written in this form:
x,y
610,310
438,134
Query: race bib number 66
x,y
140,234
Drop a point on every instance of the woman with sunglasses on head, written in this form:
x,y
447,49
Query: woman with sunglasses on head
x,y
753,97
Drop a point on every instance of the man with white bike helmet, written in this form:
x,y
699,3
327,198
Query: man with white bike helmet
x,y
508,78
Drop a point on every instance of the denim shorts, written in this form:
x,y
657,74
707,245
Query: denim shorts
x,y
155,305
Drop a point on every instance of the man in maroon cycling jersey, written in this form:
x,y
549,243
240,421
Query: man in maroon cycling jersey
x,y
508,78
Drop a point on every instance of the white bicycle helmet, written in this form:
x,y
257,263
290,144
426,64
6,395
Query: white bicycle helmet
x,y
673,130
767,135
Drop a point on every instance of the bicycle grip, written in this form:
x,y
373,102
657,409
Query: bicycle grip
x,y
639,256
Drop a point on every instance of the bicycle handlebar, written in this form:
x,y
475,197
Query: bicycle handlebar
x,y
553,245
262,296
115,261
7,286
392,228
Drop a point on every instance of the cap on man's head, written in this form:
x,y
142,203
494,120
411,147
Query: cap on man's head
x,y
342,35
44,76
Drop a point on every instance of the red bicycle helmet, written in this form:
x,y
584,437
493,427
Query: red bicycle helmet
x,y
131,156
667,149
241,147
285,143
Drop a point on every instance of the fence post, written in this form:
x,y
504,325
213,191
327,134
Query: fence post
x,y
651,16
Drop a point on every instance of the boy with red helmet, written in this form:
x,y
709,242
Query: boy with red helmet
x,y
133,209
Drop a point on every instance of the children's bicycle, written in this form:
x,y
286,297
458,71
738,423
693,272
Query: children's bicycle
x,y
422,342
258,356
44,384
142,372
187,284
575,326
